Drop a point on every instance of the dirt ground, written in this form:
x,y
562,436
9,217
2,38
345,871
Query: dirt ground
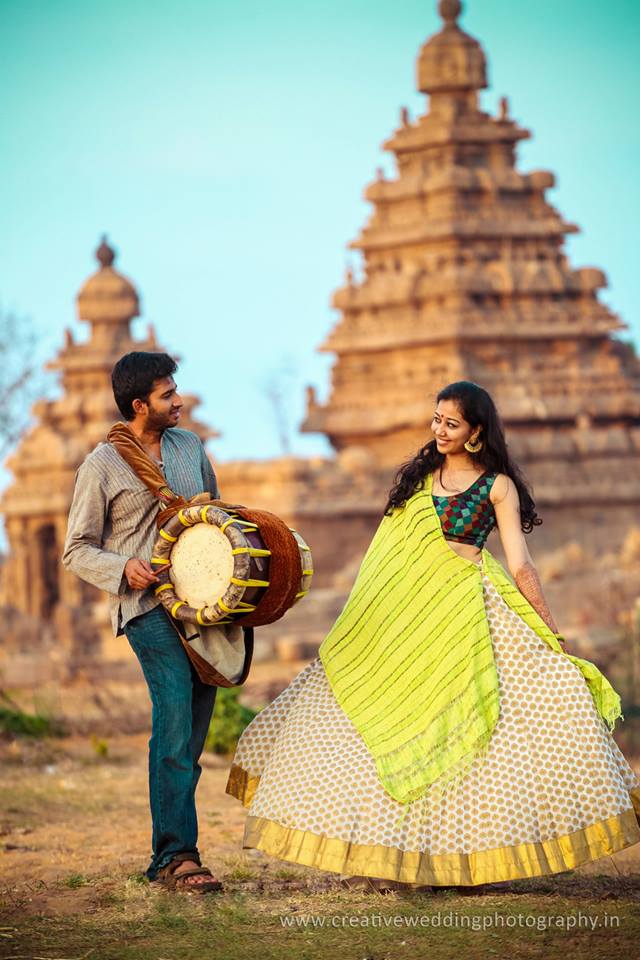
x,y
74,842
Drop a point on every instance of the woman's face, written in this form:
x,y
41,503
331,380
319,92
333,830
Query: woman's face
x,y
450,428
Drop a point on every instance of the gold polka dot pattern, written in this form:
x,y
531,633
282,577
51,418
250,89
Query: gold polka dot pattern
x,y
552,766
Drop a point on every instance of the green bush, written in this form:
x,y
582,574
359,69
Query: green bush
x,y
14,722
228,721
17,723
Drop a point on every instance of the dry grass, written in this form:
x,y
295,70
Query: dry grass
x,y
74,843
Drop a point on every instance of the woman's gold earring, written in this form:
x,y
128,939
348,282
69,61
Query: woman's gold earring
x,y
473,447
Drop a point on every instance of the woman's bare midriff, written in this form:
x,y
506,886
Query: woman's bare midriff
x,y
465,550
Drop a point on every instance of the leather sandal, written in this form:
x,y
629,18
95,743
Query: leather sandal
x,y
363,884
168,878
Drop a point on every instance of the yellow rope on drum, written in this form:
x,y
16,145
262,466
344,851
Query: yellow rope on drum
x,y
176,606
252,551
242,607
245,523
199,617
164,586
167,536
250,583
161,560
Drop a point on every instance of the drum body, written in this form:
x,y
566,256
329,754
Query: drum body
x,y
217,566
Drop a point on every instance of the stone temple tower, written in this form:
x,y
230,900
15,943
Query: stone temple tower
x,y
465,277
38,594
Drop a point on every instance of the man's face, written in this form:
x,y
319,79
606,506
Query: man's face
x,y
164,404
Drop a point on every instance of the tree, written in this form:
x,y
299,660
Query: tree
x,y
17,377
277,388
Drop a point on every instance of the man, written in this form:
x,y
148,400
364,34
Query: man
x,y
110,535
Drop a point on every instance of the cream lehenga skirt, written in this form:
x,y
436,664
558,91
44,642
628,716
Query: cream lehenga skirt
x,y
552,792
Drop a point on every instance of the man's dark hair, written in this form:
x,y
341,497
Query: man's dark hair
x,y
133,376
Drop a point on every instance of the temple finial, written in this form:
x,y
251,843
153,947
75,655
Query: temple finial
x,y
450,10
451,64
105,255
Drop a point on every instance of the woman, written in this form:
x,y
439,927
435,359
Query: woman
x,y
443,736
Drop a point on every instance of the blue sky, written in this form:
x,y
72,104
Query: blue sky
x,y
224,148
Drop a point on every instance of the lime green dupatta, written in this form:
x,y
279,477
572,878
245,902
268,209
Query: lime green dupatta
x,y
410,658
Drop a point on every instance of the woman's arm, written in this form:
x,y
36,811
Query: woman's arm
x,y
506,502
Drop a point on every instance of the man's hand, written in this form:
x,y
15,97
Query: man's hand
x,y
139,574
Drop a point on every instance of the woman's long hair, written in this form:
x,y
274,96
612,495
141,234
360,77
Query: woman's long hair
x,y
478,409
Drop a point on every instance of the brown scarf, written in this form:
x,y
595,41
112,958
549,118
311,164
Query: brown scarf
x,y
285,565
132,452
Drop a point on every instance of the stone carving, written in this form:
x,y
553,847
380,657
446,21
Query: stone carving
x,y
464,276
34,584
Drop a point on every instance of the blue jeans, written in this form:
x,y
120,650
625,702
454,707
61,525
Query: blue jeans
x,y
182,707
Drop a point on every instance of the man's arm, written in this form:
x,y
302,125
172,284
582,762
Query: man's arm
x,y
83,554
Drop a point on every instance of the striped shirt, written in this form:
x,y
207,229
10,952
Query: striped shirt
x,y
112,517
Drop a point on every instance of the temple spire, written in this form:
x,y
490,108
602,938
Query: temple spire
x,y
105,255
465,277
108,300
451,64
450,10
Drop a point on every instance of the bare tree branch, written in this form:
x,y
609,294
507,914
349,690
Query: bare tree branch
x,y
18,382
277,389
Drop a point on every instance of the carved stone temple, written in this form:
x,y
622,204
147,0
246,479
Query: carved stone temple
x,y
463,275
44,602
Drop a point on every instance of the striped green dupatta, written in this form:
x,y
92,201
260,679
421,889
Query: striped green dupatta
x,y
410,658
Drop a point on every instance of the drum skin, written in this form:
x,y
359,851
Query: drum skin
x,y
270,566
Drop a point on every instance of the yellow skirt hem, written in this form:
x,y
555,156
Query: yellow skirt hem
x,y
241,785
455,869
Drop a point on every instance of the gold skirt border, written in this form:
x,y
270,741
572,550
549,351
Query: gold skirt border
x,y
455,869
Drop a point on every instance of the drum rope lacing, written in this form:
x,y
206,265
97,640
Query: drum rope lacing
x,y
268,607
241,607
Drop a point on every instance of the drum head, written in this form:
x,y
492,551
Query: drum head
x,y
202,565
214,566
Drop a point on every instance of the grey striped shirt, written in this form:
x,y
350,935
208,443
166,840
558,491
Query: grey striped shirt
x,y
112,517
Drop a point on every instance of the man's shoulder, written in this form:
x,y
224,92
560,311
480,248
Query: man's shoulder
x,y
102,458
182,438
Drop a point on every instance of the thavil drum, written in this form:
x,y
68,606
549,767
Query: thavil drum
x,y
219,566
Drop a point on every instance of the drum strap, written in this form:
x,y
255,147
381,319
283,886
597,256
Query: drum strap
x,y
132,452
122,437
285,567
